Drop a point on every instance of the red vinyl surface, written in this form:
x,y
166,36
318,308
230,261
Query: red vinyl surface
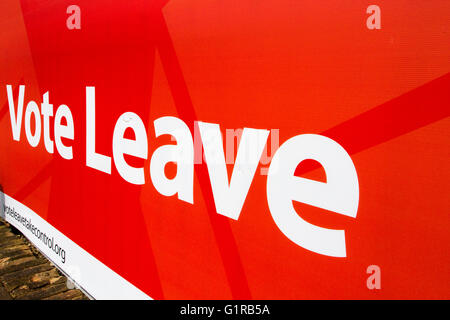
x,y
296,66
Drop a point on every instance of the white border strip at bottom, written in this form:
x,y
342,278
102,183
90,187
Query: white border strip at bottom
x,y
99,281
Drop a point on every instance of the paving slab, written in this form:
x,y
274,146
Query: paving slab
x,y
25,274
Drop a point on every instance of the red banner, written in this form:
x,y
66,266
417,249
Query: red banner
x,y
230,149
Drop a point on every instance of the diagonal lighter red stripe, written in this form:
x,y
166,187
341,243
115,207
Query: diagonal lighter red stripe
x,y
220,225
410,111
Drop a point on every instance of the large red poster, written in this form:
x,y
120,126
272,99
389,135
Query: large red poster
x,y
231,149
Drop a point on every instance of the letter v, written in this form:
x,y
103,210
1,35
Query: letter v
x,y
229,197
16,120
